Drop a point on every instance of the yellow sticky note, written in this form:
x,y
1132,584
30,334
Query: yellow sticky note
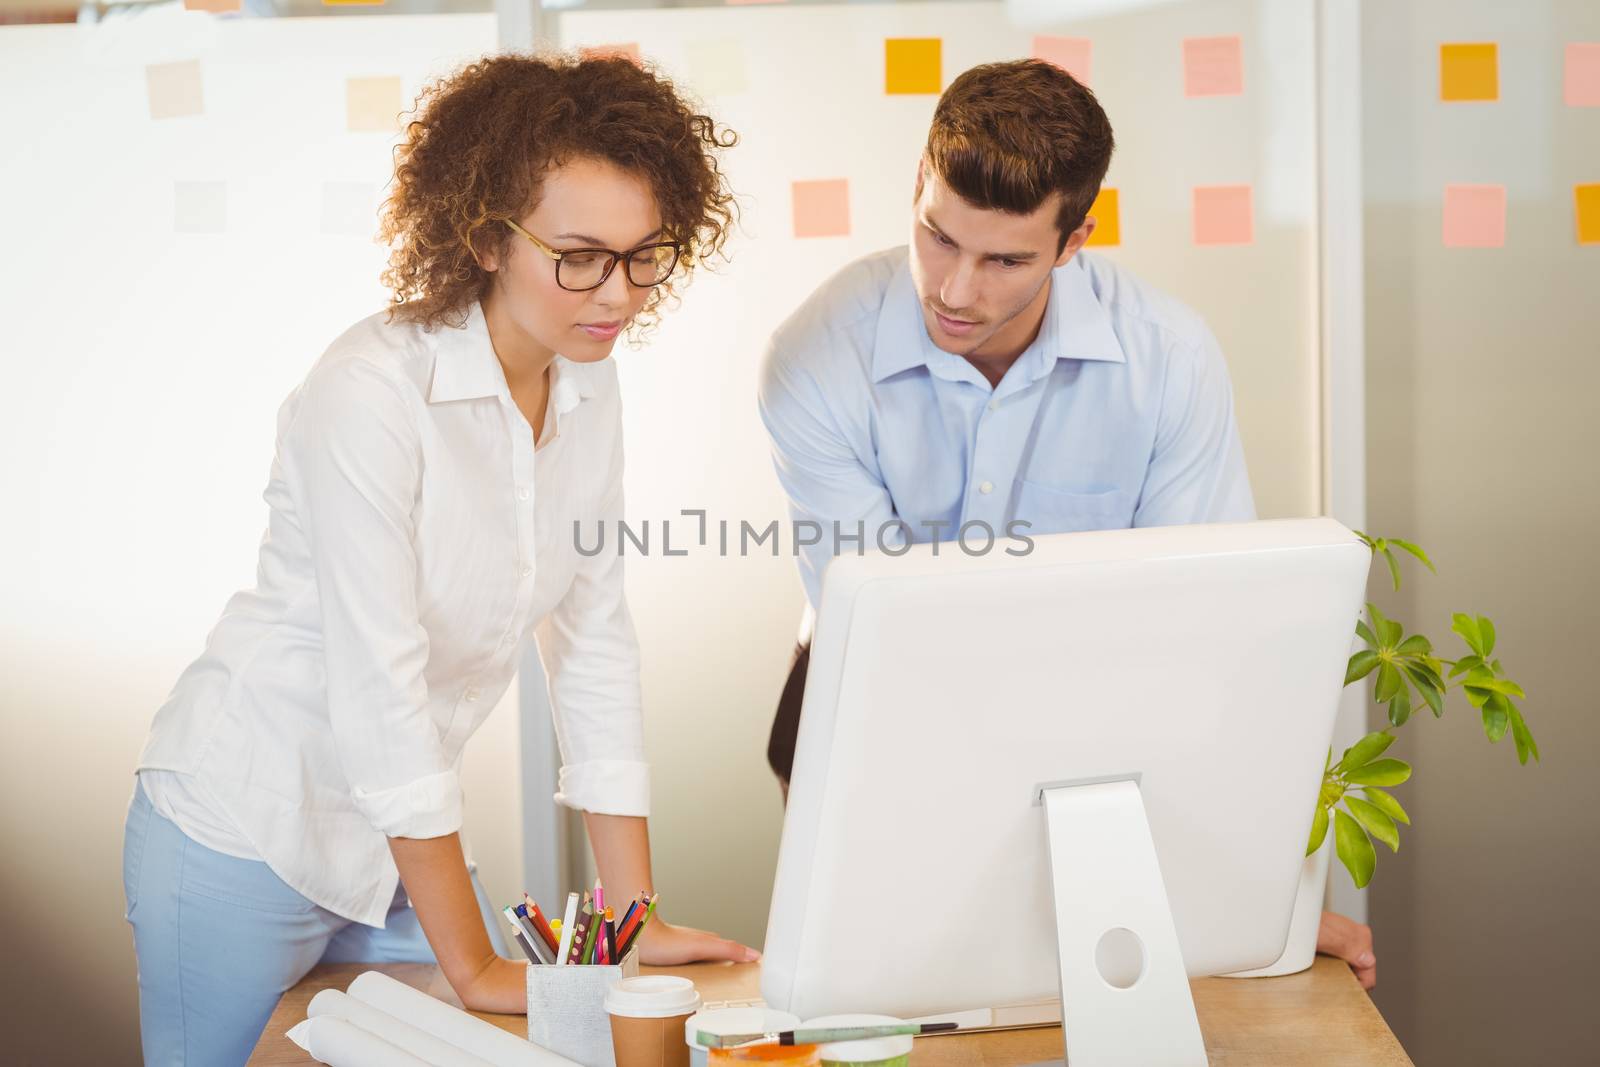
x,y
1107,219
174,89
1586,199
1469,71
373,104
913,65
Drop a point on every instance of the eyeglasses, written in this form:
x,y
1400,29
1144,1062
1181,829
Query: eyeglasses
x,y
580,269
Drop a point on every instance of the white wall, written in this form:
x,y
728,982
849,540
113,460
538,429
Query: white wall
x,y
143,369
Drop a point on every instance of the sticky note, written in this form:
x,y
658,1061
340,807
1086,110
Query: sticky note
x,y
1107,219
1223,215
1474,216
717,66
350,209
214,7
1469,72
199,207
373,104
822,208
629,51
1581,83
1213,66
174,89
913,65
1071,54
1586,201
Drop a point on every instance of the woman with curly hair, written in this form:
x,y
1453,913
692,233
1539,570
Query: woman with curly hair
x,y
298,799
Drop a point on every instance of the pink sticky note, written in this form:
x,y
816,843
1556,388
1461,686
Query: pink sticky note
x,y
1582,82
822,208
1213,66
1071,54
1474,216
1223,215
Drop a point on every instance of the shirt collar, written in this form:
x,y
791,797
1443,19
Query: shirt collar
x,y
1076,326
466,368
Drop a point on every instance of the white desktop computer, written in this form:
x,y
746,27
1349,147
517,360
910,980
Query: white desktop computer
x,y
1056,785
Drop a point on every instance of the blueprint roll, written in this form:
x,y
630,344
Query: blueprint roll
x,y
455,1027
341,1043
397,1032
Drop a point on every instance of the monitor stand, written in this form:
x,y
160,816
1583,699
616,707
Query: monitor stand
x,y
1124,991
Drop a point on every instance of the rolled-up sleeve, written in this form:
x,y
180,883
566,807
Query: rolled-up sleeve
x,y
352,462
591,660
1197,471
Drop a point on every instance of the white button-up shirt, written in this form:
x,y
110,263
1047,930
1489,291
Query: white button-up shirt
x,y
416,537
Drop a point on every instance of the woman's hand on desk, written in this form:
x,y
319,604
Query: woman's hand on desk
x,y
1350,941
664,945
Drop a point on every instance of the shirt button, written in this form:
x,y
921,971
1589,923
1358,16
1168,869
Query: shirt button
x,y
994,405
986,488
522,494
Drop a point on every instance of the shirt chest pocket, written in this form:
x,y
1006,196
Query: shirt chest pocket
x,y
1059,510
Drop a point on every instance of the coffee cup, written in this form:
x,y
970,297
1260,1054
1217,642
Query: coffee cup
x,y
647,1017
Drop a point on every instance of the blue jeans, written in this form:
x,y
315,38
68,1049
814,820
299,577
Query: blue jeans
x,y
219,939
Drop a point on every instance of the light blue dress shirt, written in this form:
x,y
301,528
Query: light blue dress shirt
x,y
1120,414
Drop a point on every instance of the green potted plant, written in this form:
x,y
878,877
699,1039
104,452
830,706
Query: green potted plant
x,y
1355,807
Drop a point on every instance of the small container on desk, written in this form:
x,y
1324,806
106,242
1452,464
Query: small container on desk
x,y
567,1008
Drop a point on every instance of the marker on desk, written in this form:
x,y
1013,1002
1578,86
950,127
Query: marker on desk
x,y
568,922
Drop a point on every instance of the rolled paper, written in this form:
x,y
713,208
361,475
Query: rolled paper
x,y
452,1025
341,1043
401,1034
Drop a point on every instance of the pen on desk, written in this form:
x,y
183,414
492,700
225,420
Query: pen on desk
x,y
568,921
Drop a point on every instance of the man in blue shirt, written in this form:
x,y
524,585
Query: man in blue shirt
x,y
991,373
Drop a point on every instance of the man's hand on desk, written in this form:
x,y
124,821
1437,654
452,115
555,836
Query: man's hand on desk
x,y
665,945
1350,941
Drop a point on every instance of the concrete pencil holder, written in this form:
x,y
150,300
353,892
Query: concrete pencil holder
x,y
567,1011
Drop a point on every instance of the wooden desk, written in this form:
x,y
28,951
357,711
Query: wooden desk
x,y
1320,1016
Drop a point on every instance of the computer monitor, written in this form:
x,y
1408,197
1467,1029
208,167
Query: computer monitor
x,y
996,751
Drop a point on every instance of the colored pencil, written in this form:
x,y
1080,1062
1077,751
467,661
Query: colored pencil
x,y
540,923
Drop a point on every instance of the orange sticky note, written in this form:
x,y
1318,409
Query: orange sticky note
x,y
1213,66
629,51
913,65
1071,54
1469,72
1474,216
199,207
1586,201
1581,83
1223,215
1107,218
214,7
373,104
174,89
822,208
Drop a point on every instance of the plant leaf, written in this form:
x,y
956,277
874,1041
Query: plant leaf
x,y
1467,627
1380,772
1415,645
1389,633
1465,664
1523,737
1394,567
1486,628
1387,804
1319,830
1365,633
1354,848
1389,683
1400,707
1360,666
1415,551
1365,751
1496,718
1375,822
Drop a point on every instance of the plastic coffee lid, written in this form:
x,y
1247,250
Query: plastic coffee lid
x,y
747,1020
870,1051
652,996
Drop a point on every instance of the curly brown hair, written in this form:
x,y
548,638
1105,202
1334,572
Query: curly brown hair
x,y
483,140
